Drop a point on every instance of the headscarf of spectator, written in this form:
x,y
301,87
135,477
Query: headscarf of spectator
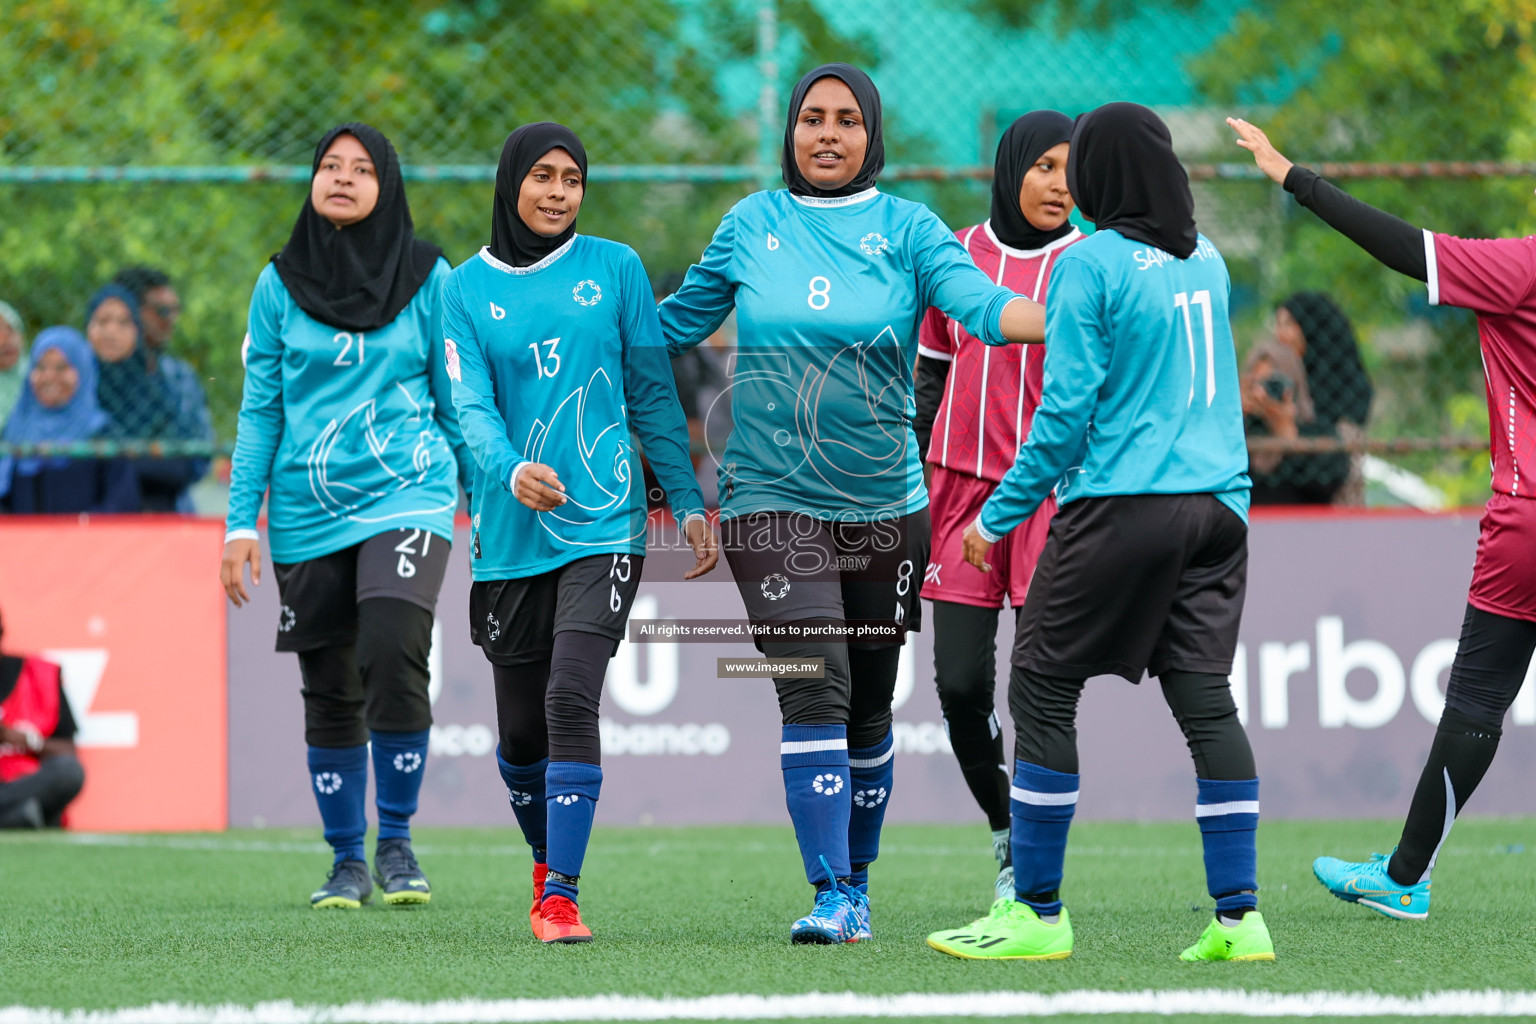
x,y
1340,388
13,380
361,276
139,401
79,419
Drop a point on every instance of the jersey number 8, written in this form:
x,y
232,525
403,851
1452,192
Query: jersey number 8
x,y
819,297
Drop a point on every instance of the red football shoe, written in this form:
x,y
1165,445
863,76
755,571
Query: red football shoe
x,y
562,922
535,917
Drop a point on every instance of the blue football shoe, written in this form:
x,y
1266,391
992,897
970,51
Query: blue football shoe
x,y
1367,883
835,918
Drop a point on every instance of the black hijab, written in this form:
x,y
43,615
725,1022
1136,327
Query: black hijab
x,y
513,241
361,276
868,98
1336,377
1021,145
1123,174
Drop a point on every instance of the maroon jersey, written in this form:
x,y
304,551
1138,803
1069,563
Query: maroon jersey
x,y
992,392
1496,279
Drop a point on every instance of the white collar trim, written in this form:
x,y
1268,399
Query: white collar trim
x,y
1025,254
828,202
507,268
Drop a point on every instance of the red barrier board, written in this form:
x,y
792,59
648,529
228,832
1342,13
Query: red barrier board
x,y
132,609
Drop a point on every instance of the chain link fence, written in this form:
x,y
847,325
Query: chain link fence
x,y
176,135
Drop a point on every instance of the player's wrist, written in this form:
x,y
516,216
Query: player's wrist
x,y
984,533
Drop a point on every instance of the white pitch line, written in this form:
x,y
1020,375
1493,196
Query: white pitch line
x,y
812,1006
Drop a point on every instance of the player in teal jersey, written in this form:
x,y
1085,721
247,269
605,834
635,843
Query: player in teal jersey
x,y
1140,432
347,422
823,510
554,348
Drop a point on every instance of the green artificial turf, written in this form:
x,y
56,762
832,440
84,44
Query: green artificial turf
x,y
113,921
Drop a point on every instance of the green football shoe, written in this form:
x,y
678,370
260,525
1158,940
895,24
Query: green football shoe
x,y
1010,931
1247,940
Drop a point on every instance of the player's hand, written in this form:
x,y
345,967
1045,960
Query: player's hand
x,y
1270,160
232,570
976,548
706,547
539,487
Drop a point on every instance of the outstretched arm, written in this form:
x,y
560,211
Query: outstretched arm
x,y
1391,240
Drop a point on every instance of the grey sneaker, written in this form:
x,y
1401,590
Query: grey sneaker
x,y
398,874
347,887
1002,850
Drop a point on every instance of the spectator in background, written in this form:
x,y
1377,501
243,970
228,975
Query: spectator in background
x,y
39,772
59,405
140,401
159,310
13,365
1307,382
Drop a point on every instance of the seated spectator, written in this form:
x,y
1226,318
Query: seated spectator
x,y
1307,382
13,364
59,405
39,772
141,402
159,310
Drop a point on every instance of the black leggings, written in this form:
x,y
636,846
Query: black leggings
x,y
856,690
1491,660
379,682
1044,712
549,708
965,671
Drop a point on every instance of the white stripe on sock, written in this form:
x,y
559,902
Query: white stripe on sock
x,y
811,746
1230,807
872,762
1029,796
1450,819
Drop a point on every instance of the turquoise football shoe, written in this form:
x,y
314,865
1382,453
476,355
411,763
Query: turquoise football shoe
x,y
1367,883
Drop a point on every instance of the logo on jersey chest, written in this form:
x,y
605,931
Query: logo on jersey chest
x,y
773,243
874,244
587,293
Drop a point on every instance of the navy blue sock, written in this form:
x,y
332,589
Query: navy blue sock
x,y
399,763
819,792
1228,814
573,787
339,777
525,791
873,771
1042,803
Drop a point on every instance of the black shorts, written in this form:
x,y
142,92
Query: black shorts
x,y
791,567
515,621
319,596
1133,584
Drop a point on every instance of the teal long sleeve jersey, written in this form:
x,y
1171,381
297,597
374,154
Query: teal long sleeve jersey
x,y
353,431
556,363
1141,385
829,295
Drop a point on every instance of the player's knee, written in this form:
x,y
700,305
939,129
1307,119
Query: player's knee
x,y
1479,698
66,777
1467,719
334,721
